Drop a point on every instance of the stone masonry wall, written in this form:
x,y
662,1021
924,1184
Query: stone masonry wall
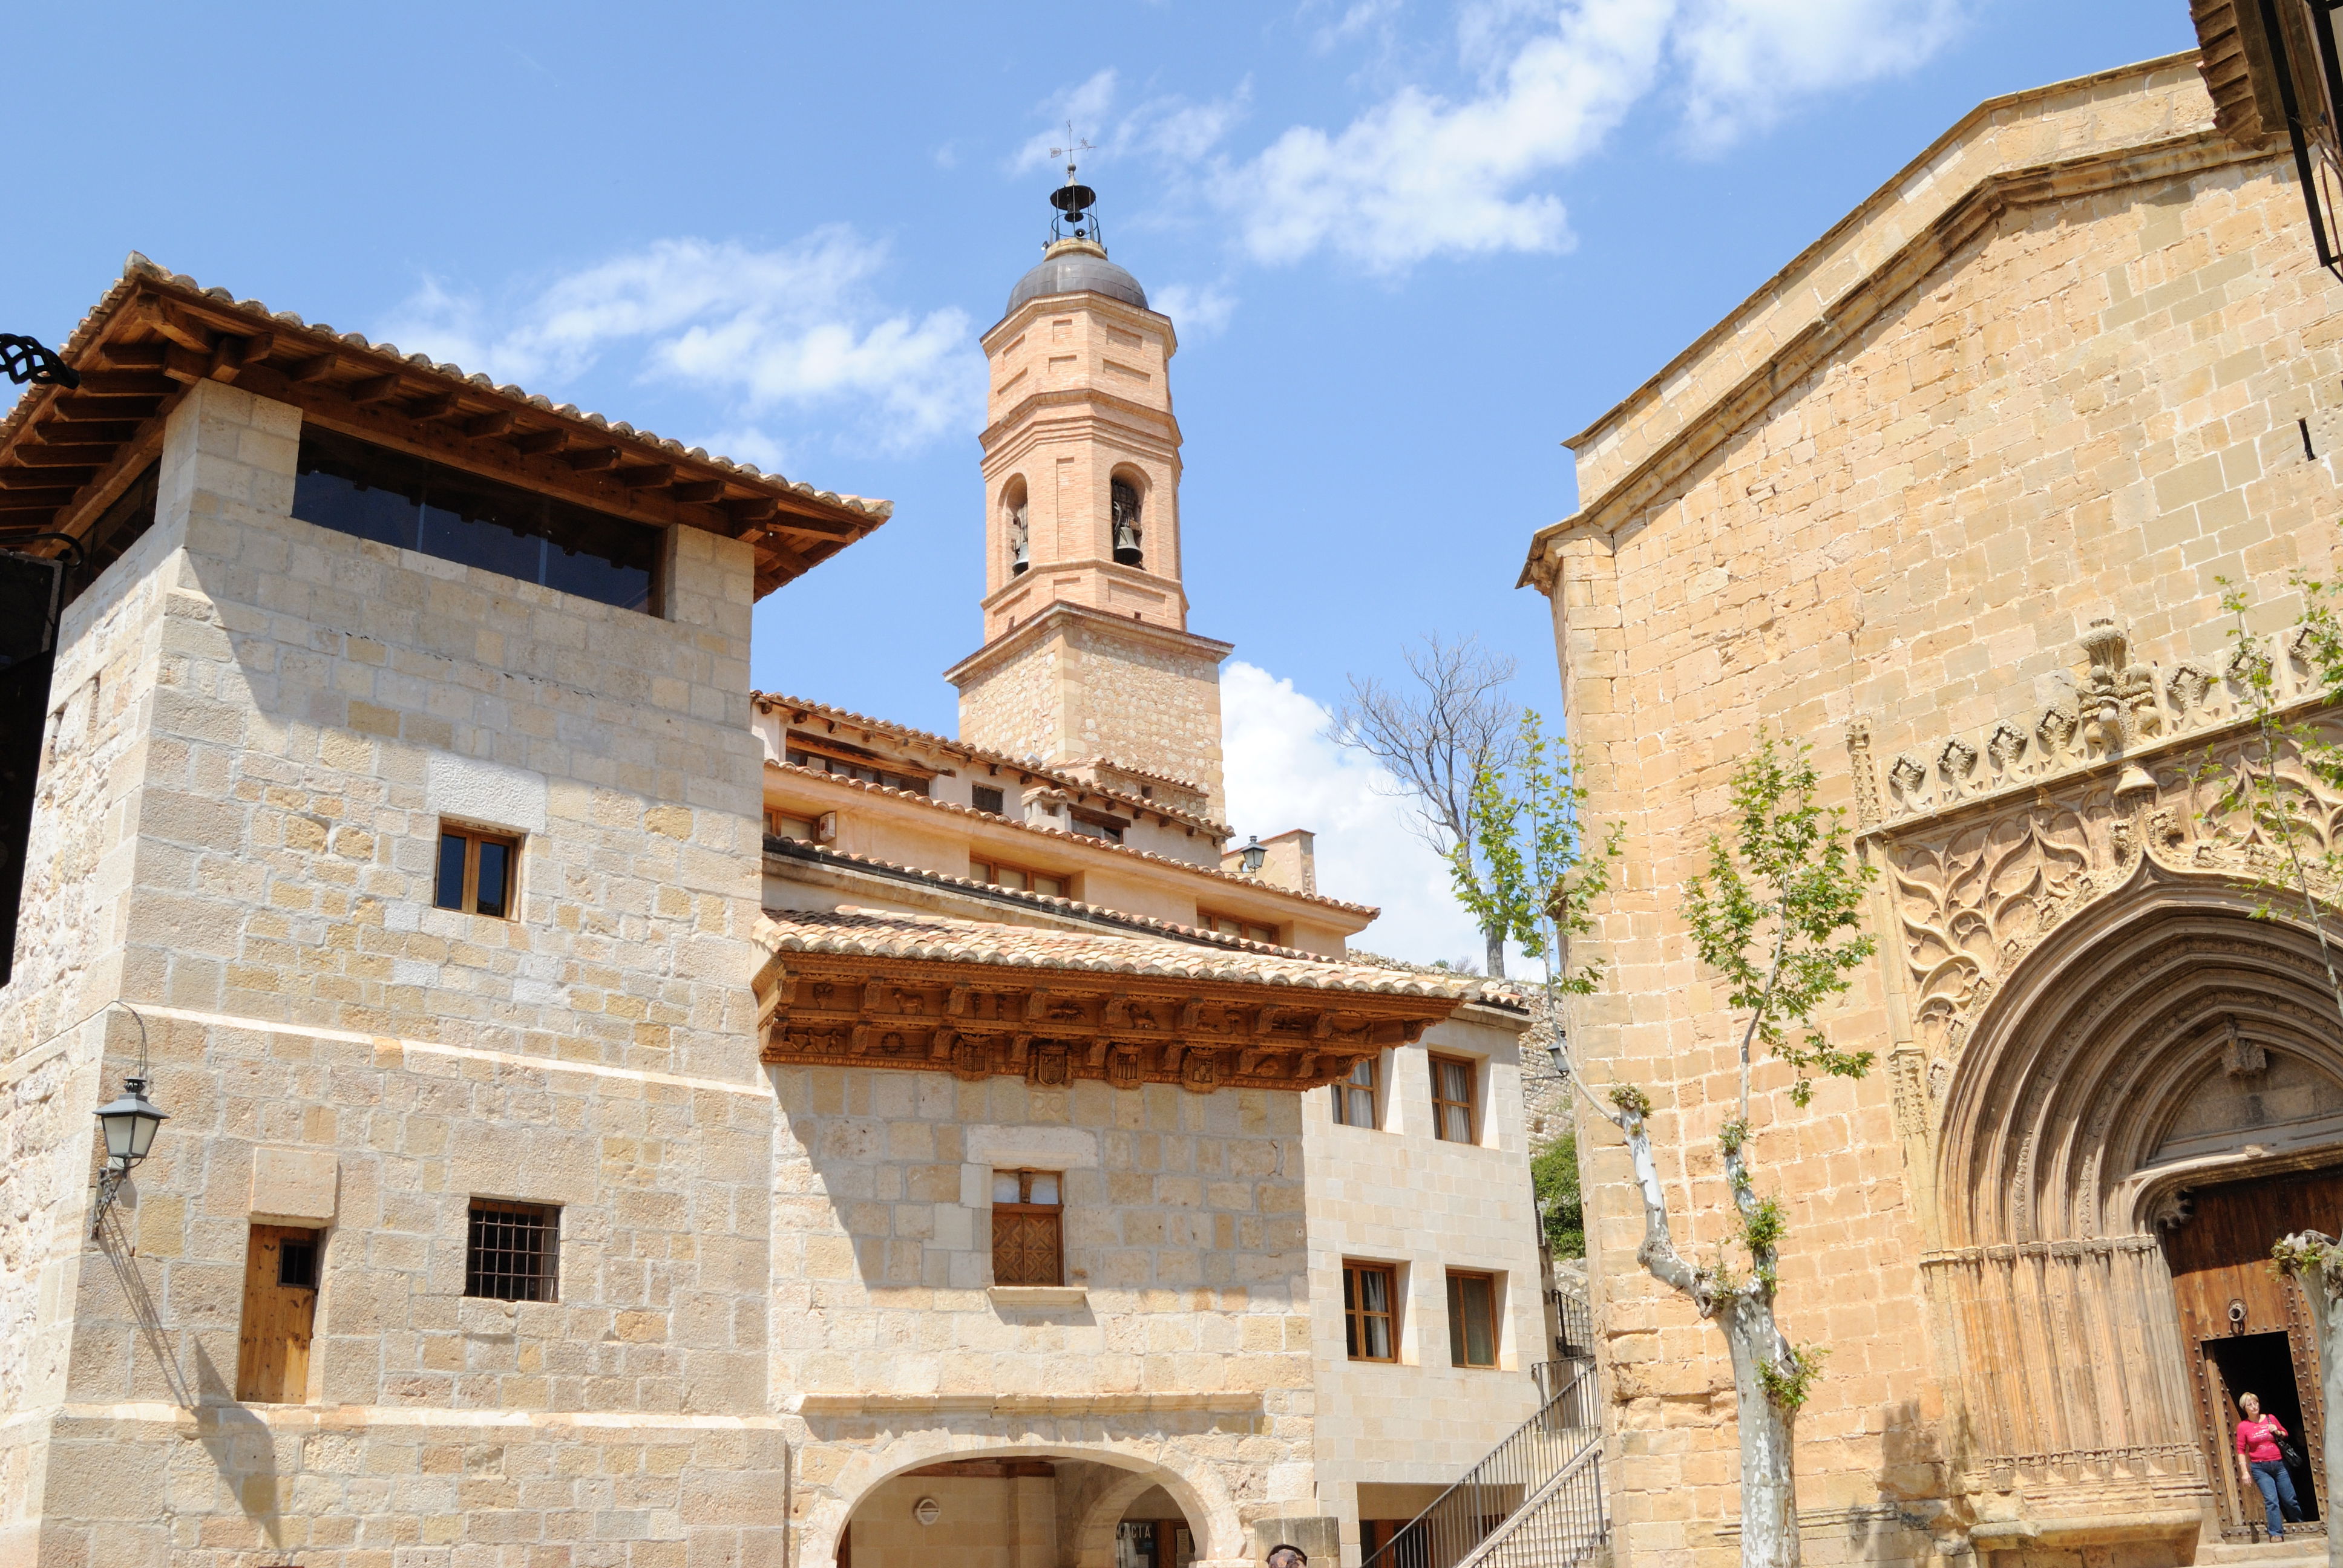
x,y
2092,408
317,706
1190,1350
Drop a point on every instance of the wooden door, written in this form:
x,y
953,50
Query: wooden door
x,y
2237,1310
280,1310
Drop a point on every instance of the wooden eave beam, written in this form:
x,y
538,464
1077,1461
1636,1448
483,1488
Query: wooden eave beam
x,y
700,490
34,500
645,477
39,455
540,443
75,407
124,384
372,389
592,459
487,425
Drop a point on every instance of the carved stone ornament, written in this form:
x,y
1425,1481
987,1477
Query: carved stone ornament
x,y
1049,1066
1976,890
1866,785
1201,1069
2122,707
1906,1066
1122,1068
2240,1057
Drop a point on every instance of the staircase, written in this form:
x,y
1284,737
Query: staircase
x,y
1536,1501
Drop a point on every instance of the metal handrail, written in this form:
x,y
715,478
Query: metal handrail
x,y
1564,1524
1518,1470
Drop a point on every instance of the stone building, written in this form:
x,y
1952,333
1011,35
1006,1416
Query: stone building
x,y
618,1118
1952,497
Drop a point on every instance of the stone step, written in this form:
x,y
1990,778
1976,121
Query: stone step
x,y
2295,1549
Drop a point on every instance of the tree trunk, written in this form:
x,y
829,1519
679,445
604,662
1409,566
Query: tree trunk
x,y
1769,1497
1496,940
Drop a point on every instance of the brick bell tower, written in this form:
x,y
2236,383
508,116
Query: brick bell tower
x,y
1087,661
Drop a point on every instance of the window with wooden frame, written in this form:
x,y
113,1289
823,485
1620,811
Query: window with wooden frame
x,y
514,1251
1029,1233
1371,1311
1354,1096
280,1313
1024,878
476,871
1230,926
1451,1100
986,798
1472,1318
791,826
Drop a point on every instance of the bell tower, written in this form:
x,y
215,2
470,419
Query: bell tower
x,y
1087,660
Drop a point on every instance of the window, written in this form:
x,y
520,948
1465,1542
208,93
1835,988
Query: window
x,y
1022,878
280,1310
1472,1319
1451,1100
784,825
475,872
1094,825
884,778
1354,1096
513,1253
1369,1312
1230,926
1027,1229
985,798
370,492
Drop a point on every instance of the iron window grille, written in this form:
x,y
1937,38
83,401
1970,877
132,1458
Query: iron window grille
x,y
514,1252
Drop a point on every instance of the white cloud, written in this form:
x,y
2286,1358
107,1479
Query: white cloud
x,y
1282,772
1195,311
1419,175
796,328
1744,61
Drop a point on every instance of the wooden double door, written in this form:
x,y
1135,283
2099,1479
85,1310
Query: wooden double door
x,y
2245,1327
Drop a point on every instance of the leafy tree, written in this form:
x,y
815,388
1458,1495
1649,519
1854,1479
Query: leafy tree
x,y
1553,1176
1776,913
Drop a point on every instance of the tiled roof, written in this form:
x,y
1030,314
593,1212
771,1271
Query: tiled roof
x,y
1075,907
775,702
288,333
1498,992
842,781
886,934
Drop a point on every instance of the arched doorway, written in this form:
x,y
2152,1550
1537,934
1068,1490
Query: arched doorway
x,y
2154,1097
945,1499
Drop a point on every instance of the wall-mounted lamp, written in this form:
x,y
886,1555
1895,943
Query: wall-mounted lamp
x,y
128,1124
1252,856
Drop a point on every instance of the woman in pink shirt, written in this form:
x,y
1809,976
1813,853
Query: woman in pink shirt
x,y
2263,1466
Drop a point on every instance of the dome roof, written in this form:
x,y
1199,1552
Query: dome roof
x,y
1075,267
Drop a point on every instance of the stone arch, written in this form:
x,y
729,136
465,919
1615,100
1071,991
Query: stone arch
x,y
1094,1542
2092,1086
1203,1499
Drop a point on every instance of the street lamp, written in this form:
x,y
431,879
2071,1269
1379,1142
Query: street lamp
x,y
128,1124
1252,856
24,359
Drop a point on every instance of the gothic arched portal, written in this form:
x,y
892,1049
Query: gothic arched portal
x,y
2162,1050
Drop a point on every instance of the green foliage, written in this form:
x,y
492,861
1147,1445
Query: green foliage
x,y
1788,1386
1631,1099
1538,884
1777,910
1553,1176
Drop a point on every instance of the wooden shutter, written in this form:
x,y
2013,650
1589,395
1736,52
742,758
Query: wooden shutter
x,y
1027,1247
272,1363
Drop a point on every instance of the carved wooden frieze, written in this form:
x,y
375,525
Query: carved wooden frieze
x,y
1068,1026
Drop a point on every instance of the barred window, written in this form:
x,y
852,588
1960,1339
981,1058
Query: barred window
x,y
1027,1227
514,1252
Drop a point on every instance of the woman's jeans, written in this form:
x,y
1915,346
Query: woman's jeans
x,y
2278,1492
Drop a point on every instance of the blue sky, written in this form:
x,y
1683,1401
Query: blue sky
x,y
1410,247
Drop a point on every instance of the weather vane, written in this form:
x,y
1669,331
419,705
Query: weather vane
x,y
1074,199
1070,149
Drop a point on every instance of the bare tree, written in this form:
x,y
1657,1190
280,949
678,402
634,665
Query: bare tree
x,y
1448,726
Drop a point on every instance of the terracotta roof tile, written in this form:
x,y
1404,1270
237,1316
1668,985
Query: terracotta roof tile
x,y
137,267
774,702
840,781
879,933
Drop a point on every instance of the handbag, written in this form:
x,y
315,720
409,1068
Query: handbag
x,y
2292,1454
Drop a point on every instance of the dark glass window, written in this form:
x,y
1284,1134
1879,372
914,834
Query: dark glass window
x,y
475,873
985,798
355,488
513,1250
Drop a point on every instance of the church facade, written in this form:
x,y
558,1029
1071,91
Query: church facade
x,y
1955,498
616,1116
